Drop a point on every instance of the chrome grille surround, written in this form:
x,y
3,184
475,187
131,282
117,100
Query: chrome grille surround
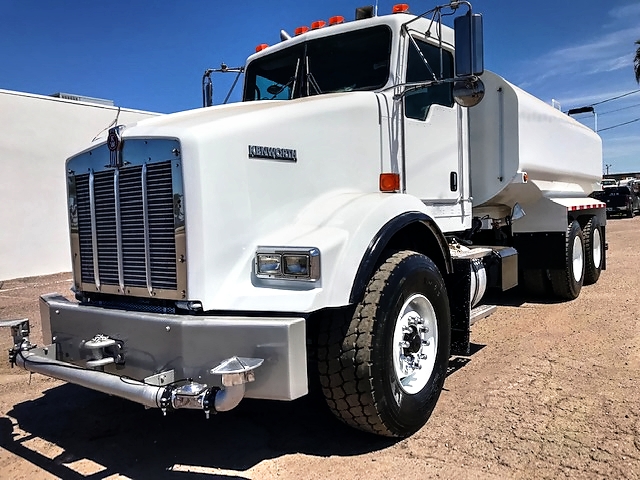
x,y
127,223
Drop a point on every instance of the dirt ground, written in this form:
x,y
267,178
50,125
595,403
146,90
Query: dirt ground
x,y
552,391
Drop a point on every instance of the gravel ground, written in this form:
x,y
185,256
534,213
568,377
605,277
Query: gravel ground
x,y
552,391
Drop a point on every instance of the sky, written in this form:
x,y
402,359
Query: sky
x,y
150,55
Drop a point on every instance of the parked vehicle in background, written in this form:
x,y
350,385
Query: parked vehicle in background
x,y
619,200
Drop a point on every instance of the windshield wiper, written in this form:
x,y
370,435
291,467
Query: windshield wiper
x,y
309,76
291,83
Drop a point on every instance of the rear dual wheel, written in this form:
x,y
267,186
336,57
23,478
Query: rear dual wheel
x,y
593,250
566,283
584,257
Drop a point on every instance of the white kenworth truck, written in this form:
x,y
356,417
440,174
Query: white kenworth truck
x,y
340,225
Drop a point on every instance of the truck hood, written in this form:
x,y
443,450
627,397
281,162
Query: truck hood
x,y
175,124
235,201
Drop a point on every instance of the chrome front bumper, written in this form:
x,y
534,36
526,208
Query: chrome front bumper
x,y
140,346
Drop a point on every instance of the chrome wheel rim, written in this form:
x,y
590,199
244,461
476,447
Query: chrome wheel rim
x,y
578,259
596,246
415,343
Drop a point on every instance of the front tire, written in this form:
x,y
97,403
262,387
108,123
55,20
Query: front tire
x,y
382,370
566,283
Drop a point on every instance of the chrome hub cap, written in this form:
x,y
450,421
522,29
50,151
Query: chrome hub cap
x,y
415,343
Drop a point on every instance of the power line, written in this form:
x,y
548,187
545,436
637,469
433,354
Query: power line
x,y
619,125
618,109
615,98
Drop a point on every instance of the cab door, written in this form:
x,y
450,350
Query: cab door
x,y
431,128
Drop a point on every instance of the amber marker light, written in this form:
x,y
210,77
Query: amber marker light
x,y
261,47
318,24
400,8
338,19
389,182
301,30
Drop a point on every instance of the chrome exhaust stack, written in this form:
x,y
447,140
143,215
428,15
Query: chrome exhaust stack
x,y
161,390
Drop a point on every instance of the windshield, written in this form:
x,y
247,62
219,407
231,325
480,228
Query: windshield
x,y
357,60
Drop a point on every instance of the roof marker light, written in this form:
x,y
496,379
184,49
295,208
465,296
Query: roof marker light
x,y
318,24
400,8
301,30
336,20
389,182
261,47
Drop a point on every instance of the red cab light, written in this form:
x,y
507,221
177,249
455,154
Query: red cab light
x,y
318,24
261,47
400,8
301,30
336,20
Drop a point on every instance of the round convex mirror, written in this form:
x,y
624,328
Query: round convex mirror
x,y
468,93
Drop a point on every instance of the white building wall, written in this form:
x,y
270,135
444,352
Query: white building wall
x,y
37,134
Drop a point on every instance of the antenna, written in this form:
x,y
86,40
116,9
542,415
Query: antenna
x,y
375,12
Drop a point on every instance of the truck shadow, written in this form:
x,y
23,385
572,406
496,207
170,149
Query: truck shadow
x,y
516,297
124,438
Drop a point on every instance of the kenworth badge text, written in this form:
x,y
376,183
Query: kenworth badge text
x,y
341,225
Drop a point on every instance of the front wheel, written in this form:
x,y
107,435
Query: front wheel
x,y
382,369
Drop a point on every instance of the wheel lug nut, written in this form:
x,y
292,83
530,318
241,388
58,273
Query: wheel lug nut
x,y
405,344
426,342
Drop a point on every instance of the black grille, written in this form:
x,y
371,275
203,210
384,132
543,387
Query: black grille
x,y
162,247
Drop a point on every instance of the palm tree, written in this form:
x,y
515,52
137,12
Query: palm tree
x,y
636,62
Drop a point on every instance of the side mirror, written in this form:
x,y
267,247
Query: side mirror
x,y
469,45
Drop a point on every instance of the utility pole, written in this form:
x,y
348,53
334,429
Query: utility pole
x,y
607,166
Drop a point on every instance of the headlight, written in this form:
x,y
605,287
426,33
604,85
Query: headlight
x,y
269,264
288,263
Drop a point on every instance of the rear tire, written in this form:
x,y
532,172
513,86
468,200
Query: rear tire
x,y
566,283
368,364
593,251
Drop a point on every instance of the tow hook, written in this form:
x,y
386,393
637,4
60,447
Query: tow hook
x,y
103,350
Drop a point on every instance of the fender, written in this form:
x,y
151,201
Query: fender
x,y
383,240
352,231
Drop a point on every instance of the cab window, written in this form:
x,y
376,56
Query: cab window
x,y
417,102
